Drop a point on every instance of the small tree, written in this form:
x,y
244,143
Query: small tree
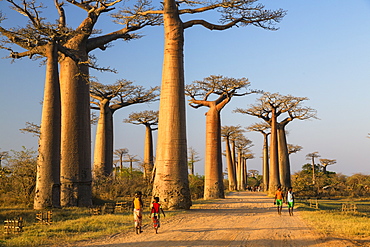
x,y
264,129
292,149
228,133
192,158
120,154
312,156
131,159
325,163
108,99
148,119
242,145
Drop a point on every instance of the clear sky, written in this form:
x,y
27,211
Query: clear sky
x,y
321,51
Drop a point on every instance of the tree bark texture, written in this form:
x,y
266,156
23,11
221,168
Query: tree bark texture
x,y
239,170
230,166
148,153
103,153
47,193
213,184
284,164
76,133
171,182
265,163
274,161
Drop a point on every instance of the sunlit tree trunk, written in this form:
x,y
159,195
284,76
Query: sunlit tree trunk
x,y
76,134
148,153
234,161
230,166
213,184
243,174
171,181
284,164
265,162
239,170
47,193
103,152
274,161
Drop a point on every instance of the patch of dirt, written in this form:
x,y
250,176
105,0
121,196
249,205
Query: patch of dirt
x,y
242,219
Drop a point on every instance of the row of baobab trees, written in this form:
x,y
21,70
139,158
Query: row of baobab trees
x,y
64,145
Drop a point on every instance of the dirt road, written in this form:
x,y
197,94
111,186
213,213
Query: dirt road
x,y
242,219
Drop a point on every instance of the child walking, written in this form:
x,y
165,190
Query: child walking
x,y
137,206
279,199
290,200
155,213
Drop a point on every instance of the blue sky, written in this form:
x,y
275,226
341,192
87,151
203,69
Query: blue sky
x,y
321,51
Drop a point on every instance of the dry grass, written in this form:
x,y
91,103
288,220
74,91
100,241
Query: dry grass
x,y
69,225
331,221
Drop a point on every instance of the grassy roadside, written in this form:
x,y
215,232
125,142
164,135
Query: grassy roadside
x,y
330,220
71,225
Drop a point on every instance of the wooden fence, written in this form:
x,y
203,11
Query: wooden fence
x,y
45,218
13,226
349,208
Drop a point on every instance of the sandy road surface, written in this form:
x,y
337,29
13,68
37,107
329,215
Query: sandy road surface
x,y
242,219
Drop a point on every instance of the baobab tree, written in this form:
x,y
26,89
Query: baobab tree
x,y
292,149
228,132
171,182
131,159
242,145
269,108
264,129
248,155
192,158
73,47
325,163
120,153
312,156
148,119
42,39
200,93
108,99
295,110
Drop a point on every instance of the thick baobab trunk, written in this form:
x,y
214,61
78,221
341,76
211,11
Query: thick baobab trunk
x,y
239,171
103,153
213,180
274,161
234,161
245,174
148,153
47,192
284,164
265,163
76,134
230,166
171,182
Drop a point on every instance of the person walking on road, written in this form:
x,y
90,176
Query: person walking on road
x,y
155,213
279,197
290,200
137,206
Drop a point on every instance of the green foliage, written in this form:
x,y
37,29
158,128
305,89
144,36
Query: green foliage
x,y
329,184
196,184
122,184
18,178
